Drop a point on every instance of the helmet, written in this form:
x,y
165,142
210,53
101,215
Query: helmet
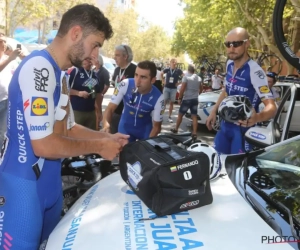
x,y
235,107
214,158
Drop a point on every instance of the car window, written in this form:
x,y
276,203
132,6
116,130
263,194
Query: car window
x,y
109,66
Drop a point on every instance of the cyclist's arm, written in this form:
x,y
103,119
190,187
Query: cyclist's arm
x,y
157,116
39,113
220,99
260,84
116,99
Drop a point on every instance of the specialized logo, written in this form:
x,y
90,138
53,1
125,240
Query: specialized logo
x,y
39,127
186,165
2,200
189,204
264,89
257,135
26,104
39,106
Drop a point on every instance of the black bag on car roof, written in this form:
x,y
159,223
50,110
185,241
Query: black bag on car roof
x,y
166,177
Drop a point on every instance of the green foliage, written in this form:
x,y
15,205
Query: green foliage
x,y
147,41
203,29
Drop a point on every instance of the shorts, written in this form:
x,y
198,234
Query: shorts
x,y
230,139
191,104
29,209
86,119
170,94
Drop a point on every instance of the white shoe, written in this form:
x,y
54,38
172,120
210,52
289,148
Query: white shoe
x,y
170,120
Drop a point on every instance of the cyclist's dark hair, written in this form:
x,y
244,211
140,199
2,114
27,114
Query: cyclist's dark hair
x,y
148,65
88,17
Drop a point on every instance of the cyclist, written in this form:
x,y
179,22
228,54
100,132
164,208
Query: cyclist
x,y
143,104
41,130
244,77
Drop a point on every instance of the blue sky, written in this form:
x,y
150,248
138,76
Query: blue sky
x,y
160,12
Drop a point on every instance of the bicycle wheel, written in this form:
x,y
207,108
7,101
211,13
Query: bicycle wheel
x,y
70,195
284,46
270,63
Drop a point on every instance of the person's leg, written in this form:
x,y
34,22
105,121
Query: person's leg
x,y
21,218
239,144
172,100
79,117
3,120
114,125
194,110
90,120
184,106
222,142
166,93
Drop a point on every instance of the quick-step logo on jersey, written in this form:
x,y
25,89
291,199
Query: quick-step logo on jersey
x,y
39,106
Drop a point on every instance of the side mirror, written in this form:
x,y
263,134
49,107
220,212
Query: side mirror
x,y
261,137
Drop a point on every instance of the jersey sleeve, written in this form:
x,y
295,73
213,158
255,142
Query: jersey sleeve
x,y
260,82
184,79
120,92
159,109
37,83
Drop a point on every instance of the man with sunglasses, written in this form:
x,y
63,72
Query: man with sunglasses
x,y
244,77
143,104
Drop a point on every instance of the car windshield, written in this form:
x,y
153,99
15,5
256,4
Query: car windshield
x,y
109,66
280,170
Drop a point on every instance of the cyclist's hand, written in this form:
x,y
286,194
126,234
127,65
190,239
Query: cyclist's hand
x,y
110,148
251,121
211,119
121,138
83,94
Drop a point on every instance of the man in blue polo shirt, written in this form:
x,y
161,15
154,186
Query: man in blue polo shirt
x,y
173,75
85,91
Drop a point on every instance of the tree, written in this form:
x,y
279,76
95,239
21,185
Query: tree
x,y
34,12
147,41
206,23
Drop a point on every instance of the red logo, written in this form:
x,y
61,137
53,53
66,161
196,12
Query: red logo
x,y
26,104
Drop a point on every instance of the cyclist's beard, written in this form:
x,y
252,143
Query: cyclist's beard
x,y
76,54
234,56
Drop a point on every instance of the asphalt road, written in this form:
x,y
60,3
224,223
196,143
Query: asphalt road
x,y
203,133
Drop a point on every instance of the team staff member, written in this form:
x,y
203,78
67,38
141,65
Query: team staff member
x,y
143,104
125,70
41,131
173,75
85,95
244,77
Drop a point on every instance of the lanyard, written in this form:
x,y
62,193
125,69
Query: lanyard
x,y
89,76
172,72
121,75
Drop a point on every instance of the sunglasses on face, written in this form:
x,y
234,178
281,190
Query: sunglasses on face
x,y
235,44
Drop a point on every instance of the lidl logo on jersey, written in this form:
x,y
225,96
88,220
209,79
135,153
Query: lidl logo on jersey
x,y
39,106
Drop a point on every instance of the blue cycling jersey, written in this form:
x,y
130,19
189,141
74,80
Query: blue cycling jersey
x,y
139,109
31,186
249,80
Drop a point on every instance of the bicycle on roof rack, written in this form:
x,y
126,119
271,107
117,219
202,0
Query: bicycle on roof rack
x,y
209,64
286,43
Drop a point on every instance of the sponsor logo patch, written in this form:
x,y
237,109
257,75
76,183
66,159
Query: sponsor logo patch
x,y
264,89
39,106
